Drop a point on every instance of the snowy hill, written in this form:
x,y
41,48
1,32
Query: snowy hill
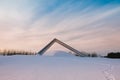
x,y
59,53
58,68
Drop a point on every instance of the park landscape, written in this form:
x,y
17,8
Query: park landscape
x,y
59,39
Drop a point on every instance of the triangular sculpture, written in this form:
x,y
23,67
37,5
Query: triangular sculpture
x,y
77,53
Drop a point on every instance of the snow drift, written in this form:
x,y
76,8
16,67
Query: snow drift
x,y
59,53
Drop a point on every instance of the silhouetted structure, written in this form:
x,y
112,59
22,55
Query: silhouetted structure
x,y
77,53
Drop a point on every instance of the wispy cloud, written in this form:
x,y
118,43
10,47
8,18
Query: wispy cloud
x,y
30,24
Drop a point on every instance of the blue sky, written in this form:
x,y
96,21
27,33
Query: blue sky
x,y
87,25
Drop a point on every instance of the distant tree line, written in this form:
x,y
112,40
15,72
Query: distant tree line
x,y
15,52
93,54
109,55
113,55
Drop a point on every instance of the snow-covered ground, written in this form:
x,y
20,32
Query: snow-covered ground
x,y
58,68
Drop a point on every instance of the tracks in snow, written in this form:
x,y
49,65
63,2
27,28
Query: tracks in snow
x,y
108,73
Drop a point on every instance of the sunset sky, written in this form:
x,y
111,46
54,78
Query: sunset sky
x,y
87,25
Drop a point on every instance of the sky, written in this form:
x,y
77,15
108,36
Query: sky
x,y
86,25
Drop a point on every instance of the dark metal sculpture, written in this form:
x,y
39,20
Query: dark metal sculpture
x,y
77,53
